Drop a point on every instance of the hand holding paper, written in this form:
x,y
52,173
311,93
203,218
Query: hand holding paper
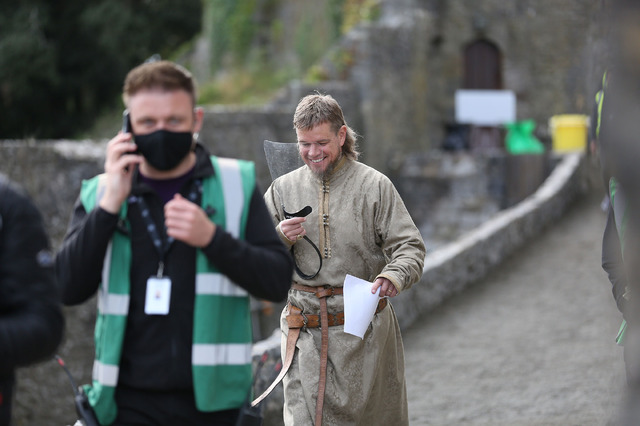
x,y
359,305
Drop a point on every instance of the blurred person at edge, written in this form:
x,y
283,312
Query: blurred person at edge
x,y
174,241
620,155
31,321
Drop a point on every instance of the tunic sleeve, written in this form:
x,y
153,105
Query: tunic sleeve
x,y
399,239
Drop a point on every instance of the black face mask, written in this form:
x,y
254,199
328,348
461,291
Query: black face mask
x,y
163,149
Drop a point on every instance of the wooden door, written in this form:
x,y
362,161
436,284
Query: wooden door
x,y
482,66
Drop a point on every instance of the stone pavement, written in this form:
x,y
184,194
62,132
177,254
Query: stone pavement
x,y
532,344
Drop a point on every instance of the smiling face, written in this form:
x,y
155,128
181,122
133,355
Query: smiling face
x,y
320,147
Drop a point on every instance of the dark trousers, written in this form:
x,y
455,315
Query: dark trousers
x,y
6,395
142,408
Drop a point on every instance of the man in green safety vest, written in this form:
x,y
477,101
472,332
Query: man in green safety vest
x,y
173,241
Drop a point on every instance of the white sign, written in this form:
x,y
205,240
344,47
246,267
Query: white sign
x,y
485,107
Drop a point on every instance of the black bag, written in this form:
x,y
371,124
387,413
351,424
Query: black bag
x,y
252,416
249,416
85,412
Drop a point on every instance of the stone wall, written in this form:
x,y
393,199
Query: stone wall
x,y
51,172
552,56
451,193
453,267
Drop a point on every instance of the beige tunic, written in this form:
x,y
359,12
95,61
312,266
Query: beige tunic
x,y
362,228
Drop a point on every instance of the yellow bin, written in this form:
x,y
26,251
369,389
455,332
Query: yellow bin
x,y
569,132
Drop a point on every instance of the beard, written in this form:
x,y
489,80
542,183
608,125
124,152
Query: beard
x,y
328,170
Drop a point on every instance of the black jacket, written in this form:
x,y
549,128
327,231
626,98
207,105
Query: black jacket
x,y
157,348
31,320
612,262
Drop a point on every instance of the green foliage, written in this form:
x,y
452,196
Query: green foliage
x,y
315,74
356,11
244,86
249,38
232,29
63,62
336,10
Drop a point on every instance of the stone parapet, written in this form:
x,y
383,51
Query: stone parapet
x,y
458,264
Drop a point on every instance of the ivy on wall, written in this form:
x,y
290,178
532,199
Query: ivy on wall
x,y
256,47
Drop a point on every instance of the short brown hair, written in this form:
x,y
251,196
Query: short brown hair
x,y
314,110
163,75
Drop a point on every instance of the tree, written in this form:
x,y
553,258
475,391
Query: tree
x,y
63,62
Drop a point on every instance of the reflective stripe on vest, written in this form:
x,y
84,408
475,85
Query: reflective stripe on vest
x,y
217,284
221,354
110,304
233,199
105,374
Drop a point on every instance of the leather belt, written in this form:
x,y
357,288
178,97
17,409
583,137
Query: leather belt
x,y
296,320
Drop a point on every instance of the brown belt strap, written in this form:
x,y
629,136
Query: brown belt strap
x,y
320,291
324,354
292,338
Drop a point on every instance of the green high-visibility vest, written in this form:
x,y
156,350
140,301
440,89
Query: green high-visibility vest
x,y
222,337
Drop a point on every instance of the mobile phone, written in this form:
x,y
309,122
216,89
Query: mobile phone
x,y
126,127
126,122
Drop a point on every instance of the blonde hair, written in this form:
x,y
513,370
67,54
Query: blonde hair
x,y
314,110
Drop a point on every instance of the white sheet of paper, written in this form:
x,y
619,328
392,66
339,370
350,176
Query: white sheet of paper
x,y
359,305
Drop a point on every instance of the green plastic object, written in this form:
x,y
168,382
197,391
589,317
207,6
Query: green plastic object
x,y
520,138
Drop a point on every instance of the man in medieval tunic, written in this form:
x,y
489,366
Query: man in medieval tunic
x,y
358,226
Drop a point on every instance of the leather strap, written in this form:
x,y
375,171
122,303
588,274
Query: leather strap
x,y
297,268
324,354
313,321
303,213
319,291
292,338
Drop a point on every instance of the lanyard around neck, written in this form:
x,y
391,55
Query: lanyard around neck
x,y
162,242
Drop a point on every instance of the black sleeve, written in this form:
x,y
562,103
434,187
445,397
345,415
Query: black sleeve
x,y
612,261
31,320
81,256
261,264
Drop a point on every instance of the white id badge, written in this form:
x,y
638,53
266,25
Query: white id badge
x,y
158,296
